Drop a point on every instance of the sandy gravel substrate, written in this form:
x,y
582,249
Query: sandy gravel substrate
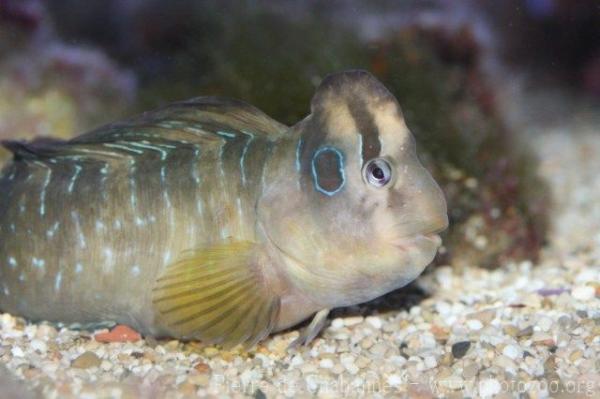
x,y
525,328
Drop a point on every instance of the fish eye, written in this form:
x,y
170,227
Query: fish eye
x,y
377,172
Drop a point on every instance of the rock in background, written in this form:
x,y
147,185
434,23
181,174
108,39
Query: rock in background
x,y
48,87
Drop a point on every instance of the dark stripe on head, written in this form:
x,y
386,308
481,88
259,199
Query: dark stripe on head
x,y
367,128
313,132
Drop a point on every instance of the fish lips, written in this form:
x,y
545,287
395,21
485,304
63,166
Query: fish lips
x,y
418,251
420,242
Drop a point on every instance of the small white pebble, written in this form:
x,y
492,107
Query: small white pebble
x,y
489,387
7,322
297,360
346,359
38,345
474,324
106,365
375,322
337,324
430,362
352,368
326,363
17,352
544,323
583,293
352,321
427,340
443,308
395,380
512,352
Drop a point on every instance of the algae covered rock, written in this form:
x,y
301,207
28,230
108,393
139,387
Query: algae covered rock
x,y
49,88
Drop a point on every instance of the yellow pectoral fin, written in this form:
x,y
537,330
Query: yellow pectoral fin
x,y
217,295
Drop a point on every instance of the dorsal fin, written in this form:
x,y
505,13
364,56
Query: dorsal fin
x,y
202,120
191,120
32,149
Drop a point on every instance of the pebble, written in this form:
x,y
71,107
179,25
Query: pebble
x,y
484,316
512,351
38,345
375,322
120,333
584,293
526,332
474,324
429,362
337,324
352,321
489,387
470,371
395,380
17,352
460,349
86,360
544,323
326,363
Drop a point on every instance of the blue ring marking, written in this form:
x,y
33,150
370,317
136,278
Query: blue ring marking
x,y
341,170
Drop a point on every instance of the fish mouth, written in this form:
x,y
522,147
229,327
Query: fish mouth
x,y
426,239
419,242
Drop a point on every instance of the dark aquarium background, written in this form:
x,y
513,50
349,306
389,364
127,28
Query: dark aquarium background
x,y
471,76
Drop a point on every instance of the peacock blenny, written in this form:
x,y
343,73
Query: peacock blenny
x,y
208,220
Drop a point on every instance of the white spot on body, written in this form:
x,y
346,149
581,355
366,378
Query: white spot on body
x,y
135,270
132,185
243,158
197,180
43,192
71,186
99,226
240,210
167,257
58,281
38,263
12,262
224,232
81,236
52,230
109,257
78,268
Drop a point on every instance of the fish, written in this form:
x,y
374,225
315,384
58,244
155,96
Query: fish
x,y
208,220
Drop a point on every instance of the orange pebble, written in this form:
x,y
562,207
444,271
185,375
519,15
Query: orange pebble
x,y
202,367
120,333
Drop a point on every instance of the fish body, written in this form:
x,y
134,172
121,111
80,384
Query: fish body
x,y
208,220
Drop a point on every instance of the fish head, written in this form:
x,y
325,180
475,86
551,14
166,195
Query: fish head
x,y
360,215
